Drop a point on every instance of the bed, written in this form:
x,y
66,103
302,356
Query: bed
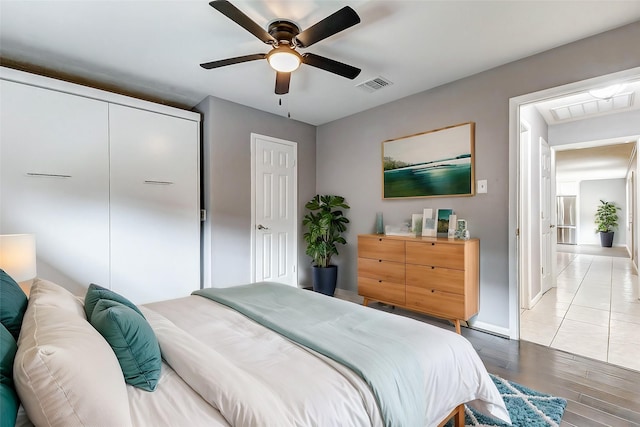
x,y
220,366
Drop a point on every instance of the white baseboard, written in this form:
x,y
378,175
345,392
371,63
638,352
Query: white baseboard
x,y
491,328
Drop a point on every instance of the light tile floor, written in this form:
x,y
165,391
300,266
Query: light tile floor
x,y
594,311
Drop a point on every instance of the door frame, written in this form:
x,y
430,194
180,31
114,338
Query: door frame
x,y
294,145
515,157
524,206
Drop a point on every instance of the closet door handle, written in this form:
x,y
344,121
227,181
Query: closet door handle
x,y
47,175
149,181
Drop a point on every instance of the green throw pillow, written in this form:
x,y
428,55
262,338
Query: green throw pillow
x,y
13,304
132,340
9,402
95,293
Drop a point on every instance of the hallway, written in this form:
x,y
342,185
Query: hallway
x,y
593,312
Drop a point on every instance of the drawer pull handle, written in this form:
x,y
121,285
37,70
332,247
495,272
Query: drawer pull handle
x,y
150,181
433,290
433,244
432,267
379,281
379,260
379,240
48,175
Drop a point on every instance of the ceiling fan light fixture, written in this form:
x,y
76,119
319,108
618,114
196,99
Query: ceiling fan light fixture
x,y
607,92
284,59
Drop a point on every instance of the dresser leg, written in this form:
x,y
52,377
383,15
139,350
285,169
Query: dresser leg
x,y
365,302
457,323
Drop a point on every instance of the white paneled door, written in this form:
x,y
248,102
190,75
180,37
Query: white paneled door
x,y
274,208
547,226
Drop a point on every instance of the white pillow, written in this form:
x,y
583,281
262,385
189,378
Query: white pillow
x,y
65,372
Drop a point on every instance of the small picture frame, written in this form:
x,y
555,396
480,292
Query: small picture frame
x,y
416,224
442,221
428,223
453,220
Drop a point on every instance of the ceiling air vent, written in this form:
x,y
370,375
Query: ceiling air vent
x,y
375,84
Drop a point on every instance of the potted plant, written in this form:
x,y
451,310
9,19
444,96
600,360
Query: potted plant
x,y
606,222
325,224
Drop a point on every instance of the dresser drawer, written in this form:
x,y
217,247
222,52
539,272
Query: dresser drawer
x,y
380,269
381,290
429,277
437,303
439,254
381,248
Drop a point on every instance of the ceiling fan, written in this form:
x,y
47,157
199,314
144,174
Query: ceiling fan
x,y
285,37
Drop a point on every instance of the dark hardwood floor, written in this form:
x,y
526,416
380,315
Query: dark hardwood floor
x,y
597,393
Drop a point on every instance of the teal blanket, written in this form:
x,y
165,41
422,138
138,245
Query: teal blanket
x,y
367,341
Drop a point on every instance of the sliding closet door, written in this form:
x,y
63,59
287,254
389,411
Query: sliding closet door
x,y
54,167
155,217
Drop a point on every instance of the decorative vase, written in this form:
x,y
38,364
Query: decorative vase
x,y
606,239
379,223
325,279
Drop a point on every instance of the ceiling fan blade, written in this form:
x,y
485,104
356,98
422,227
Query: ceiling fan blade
x,y
236,15
282,82
331,66
231,61
332,24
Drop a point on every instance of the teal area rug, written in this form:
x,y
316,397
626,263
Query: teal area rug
x,y
527,408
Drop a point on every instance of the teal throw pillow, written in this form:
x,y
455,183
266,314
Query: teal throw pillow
x,y
9,405
95,293
8,350
9,402
132,340
13,304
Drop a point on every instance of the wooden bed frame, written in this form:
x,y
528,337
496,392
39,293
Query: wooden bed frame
x,y
458,417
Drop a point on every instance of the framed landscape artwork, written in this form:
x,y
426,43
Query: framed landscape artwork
x,y
437,163
442,221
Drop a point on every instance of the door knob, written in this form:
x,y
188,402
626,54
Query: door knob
x,y
552,226
262,227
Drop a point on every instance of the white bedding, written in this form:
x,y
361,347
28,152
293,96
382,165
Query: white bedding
x,y
254,376
263,379
220,369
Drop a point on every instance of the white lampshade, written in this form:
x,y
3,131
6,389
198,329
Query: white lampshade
x,y
284,59
18,256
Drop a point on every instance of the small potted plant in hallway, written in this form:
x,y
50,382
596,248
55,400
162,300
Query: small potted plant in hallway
x,y
325,224
606,222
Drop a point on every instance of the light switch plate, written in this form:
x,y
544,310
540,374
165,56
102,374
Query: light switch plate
x,y
482,186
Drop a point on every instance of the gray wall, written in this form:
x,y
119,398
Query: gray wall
x,y
591,192
226,171
349,160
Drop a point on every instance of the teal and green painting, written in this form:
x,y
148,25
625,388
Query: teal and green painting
x,y
436,178
437,163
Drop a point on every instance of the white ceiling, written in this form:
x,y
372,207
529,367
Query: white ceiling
x,y
155,47
583,105
610,161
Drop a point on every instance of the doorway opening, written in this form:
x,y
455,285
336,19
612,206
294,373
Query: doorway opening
x,y
528,196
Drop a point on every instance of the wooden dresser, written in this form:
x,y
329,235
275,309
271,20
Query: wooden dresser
x,y
434,276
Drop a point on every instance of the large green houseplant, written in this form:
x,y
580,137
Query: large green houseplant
x,y
325,223
606,222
